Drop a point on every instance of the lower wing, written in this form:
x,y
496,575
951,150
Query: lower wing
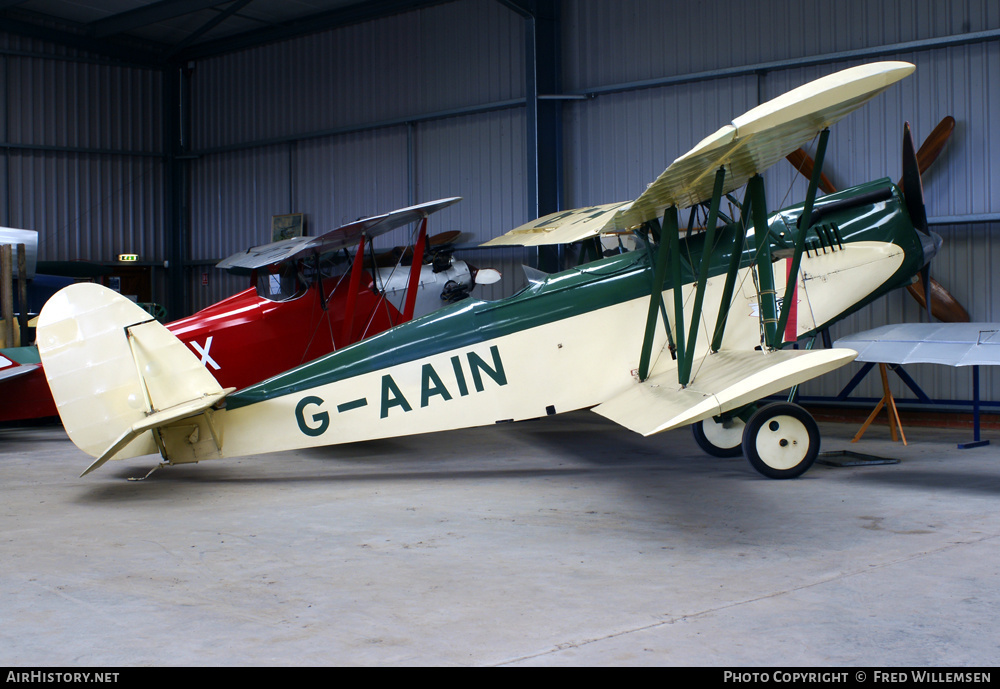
x,y
726,380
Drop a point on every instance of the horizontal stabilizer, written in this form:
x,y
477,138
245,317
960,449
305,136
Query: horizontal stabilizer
x,y
949,344
724,381
15,371
18,361
159,419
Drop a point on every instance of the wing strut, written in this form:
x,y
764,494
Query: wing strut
x,y
766,296
805,220
656,290
669,248
685,362
735,255
352,289
415,266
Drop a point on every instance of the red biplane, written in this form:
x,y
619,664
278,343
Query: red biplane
x,y
309,297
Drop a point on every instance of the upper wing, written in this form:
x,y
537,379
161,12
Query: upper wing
x,y
951,344
751,144
762,137
342,237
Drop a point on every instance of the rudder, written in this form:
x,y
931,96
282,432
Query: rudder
x,y
115,373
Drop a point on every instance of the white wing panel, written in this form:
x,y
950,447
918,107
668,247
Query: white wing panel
x,y
949,344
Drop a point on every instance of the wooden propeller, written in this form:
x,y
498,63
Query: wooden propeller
x,y
932,146
944,306
803,162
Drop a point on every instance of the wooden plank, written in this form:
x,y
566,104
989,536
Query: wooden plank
x,y
22,292
7,293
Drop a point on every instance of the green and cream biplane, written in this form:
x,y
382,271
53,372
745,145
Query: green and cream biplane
x,y
681,331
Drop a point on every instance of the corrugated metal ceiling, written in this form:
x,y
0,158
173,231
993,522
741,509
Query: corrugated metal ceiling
x,y
177,30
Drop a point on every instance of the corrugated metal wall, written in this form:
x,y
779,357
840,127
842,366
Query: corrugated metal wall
x,y
357,114
81,154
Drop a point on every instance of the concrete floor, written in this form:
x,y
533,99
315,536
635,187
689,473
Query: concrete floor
x,y
566,541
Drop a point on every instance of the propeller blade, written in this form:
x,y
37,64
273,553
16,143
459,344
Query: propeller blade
x,y
804,163
944,307
914,194
932,146
938,302
443,238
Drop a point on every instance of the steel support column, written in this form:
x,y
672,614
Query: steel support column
x,y
544,117
175,191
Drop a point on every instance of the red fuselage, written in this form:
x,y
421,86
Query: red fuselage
x,y
246,339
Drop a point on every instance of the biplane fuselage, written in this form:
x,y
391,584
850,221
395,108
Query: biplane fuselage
x,y
248,338
537,352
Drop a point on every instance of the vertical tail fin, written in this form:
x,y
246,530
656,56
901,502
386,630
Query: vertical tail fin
x,y
115,373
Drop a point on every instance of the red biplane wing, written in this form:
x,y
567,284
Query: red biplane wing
x,y
345,236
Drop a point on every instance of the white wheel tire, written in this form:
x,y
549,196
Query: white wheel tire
x,y
719,440
781,440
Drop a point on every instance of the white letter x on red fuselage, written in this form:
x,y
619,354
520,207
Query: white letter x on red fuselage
x,y
205,358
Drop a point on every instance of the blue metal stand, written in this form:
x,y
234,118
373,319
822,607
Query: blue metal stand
x,y
976,442
922,396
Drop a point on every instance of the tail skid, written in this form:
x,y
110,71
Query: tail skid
x,y
118,377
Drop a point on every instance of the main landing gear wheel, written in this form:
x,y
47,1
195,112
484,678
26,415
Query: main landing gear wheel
x,y
719,439
781,440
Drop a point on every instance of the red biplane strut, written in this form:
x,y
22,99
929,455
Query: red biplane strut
x,y
418,260
359,232
357,268
352,293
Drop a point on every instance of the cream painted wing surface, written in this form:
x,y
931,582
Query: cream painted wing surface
x,y
110,366
725,380
949,344
564,227
751,144
762,137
